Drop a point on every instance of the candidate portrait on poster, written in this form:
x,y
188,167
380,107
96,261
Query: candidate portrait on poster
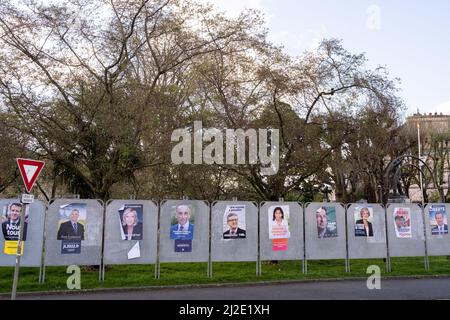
x,y
131,218
72,221
438,220
402,222
326,222
234,226
363,221
10,220
182,223
279,222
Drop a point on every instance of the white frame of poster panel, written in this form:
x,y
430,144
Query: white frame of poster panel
x,y
149,242
311,235
34,245
100,225
198,235
374,247
437,245
217,240
417,239
296,248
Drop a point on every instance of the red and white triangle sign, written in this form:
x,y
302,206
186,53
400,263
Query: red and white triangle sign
x,y
30,170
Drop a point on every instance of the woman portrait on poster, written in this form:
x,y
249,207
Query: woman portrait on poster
x,y
132,228
365,229
279,227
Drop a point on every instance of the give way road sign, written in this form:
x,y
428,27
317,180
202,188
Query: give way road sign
x,y
30,170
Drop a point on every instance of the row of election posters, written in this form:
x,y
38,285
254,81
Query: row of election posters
x,y
72,225
363,221
233,226
437,215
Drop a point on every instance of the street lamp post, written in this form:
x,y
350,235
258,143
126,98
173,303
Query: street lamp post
x,y
420,165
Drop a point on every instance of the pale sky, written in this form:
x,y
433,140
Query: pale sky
x,y
410,38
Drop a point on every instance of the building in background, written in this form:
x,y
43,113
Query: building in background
x,y
435,144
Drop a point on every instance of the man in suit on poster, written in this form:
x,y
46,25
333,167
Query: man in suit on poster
x,y
11,227
234,232
183,230
72,229
323,231
441,227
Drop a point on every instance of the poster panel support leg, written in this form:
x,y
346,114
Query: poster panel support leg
x,y
103,272
43,274
40,274
426,259
260,268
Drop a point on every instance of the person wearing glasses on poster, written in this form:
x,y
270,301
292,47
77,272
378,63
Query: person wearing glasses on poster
x,y
233,232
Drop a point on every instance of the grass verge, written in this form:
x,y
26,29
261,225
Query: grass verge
x,y
195,273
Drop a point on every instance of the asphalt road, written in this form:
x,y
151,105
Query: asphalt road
x,y
434,288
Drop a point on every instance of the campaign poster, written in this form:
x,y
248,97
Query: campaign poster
x,y
278,222
72,227
326,222
363,217
183,245
280,244
70,246
135,252
234,226
11,247
182,222
438,220
10,221
402,222
131,219
182,227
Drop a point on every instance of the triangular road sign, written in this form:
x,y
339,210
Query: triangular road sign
x,y
30,170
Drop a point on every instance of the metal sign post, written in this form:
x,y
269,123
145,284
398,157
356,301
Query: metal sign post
x,y
29,170
18,254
